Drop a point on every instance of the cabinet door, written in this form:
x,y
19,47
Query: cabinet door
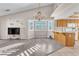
x,y
70,39
78,35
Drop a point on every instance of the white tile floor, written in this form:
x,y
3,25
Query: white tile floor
x,y
66,51
30,51
31,47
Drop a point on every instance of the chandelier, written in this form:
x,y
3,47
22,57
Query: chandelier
x,y
39,15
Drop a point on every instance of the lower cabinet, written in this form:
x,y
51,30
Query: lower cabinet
x,y
66,39
70,39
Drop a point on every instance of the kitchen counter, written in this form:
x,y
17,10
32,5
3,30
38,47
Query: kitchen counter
x,y
65,38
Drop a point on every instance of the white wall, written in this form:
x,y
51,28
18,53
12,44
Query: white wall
x,y
20,20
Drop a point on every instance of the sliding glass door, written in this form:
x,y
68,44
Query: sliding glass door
x,y
40,29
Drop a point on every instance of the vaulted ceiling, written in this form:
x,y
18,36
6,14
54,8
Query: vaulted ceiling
x,y
9,8
65,10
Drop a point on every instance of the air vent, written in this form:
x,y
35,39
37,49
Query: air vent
x,y
7,10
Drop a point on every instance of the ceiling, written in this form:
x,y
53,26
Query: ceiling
x,y
67,10
9,8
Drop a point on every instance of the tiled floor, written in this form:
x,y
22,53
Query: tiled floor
x,y
36,47
66,51
28,47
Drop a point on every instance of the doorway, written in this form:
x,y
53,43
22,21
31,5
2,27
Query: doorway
x,y
40,29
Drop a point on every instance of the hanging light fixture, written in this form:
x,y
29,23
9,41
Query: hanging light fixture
x,y
39,15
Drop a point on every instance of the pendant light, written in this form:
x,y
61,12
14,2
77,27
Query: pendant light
x,y
39,13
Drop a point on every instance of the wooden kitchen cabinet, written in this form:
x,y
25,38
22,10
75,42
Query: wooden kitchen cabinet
x,y
66,39
70,39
